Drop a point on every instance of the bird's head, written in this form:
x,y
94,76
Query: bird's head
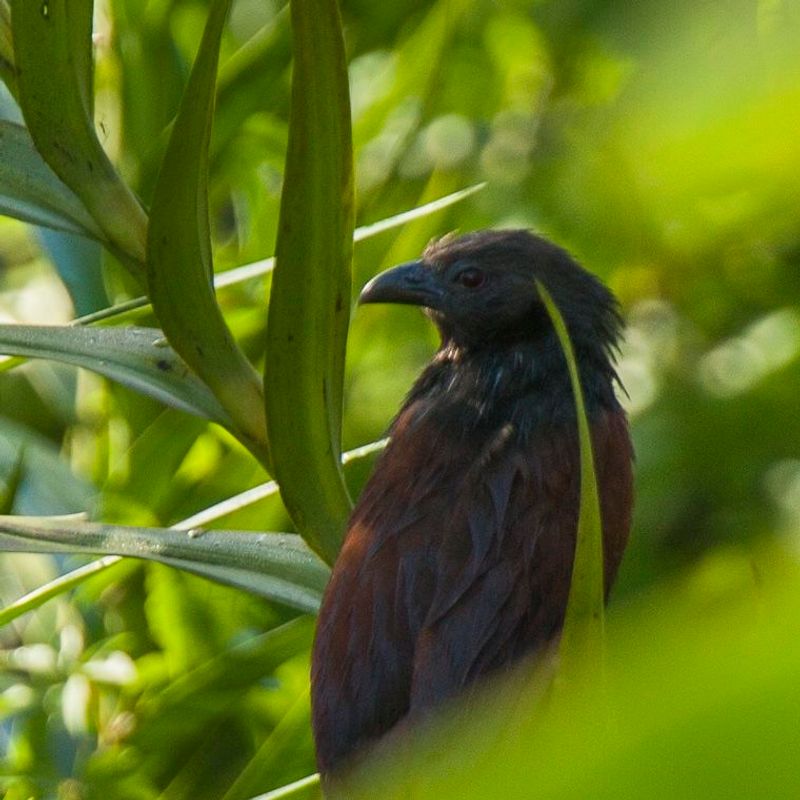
x,y
480,290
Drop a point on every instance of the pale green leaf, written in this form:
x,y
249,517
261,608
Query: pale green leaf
x,y
583,637
274,565
135,357
702,684
308,788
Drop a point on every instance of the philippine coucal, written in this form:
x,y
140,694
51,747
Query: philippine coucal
x,y
458,556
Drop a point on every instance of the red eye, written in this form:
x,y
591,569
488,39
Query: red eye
x,y
471,278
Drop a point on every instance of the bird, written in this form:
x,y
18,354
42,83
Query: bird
x,y
457,558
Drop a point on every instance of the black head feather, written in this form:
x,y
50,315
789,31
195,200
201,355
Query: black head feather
x,y
480,290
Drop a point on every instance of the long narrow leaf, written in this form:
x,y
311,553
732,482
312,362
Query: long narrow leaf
x,y
305,789
277,566
263,267
310,297
179,265
582,641
39,596
53,53
235,669
8,72
264,490
32,192
135,357
273,761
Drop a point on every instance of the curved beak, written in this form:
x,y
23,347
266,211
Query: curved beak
x,y
412,283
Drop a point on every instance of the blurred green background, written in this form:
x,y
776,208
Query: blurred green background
x,y
657,142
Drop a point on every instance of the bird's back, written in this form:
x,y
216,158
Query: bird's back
x,y
457,561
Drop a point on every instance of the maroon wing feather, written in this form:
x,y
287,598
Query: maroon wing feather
x,y
502,589
457,560
379,593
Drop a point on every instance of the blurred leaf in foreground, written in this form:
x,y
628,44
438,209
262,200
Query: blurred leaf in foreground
x,y
702,687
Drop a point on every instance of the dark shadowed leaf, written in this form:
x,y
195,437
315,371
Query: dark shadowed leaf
x,y
233,670
282,757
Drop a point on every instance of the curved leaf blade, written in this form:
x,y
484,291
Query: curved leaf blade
x,y
53,53
582,641
310,297
138,358
278,566
32,192
39,596
179,265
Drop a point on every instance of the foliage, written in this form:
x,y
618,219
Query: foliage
x,y
656,142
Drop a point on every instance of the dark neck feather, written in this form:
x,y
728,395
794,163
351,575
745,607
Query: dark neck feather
x,y
476,389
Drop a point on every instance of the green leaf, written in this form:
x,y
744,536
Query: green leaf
x,y
702,679
138,358
179,265
40,595
582,640
282,755
79,263
47,484
274,565
310,297
8,72
232,671
53,52
305,789
32,192
425,210
13,482
263,267
257,493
